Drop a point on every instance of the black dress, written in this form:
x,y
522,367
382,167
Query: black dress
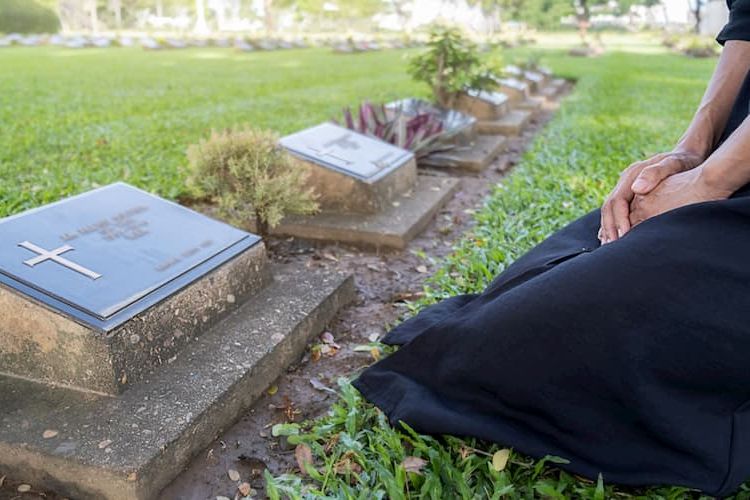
x,y
631,360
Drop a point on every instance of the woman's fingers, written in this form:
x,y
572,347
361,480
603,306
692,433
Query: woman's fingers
x,y
650,177
615,218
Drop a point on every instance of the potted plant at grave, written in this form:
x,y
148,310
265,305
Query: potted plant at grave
x,y
450,65
422,134
250,177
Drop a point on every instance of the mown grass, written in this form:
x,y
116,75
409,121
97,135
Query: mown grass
x,y
624,107
74,119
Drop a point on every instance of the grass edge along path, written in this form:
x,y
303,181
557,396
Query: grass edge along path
x,y
625,106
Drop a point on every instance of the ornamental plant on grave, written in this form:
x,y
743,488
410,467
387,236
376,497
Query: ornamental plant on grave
x,y
423,134
250,177
450,65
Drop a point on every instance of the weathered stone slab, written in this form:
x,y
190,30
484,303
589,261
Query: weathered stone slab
x,y
459,127
535,79
393,227
553,88
98,289
483,104
511,123
472,157
131,446
516,90
350,171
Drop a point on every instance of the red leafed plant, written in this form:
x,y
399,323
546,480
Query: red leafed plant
x,y
423,134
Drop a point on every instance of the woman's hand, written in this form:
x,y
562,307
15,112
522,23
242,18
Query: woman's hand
x,y
639,178
675,191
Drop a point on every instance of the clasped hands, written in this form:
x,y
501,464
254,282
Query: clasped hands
x,y
651,187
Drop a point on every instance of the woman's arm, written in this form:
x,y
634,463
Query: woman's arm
x,y
723,173
693,148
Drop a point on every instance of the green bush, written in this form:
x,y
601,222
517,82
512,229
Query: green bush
x,y
27,16
450,64
250,177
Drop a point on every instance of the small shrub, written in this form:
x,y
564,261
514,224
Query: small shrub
x,y
696,46
423,134
250,176
450,64
27,16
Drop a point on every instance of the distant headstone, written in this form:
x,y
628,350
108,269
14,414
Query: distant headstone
x,y
174,43
101,42
516,90
103,283
57,40
149,43
351,171
458,126
483,104
30,41
243,46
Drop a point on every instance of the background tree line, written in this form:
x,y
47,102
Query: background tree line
x,y
49,15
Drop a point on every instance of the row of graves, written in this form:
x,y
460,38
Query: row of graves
x,y
133,329
240,43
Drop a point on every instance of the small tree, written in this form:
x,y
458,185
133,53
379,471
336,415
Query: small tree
x,y
450,65
250,176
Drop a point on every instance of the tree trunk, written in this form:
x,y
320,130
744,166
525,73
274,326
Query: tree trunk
x,y
261,226
94,16
200,14
584,20
220,14
697,14
268,16
117,8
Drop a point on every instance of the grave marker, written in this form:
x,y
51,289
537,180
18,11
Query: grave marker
x,y
97,263
369,191
350,171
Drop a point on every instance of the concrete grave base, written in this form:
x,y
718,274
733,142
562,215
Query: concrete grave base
x,y
472,157
511,123
131,446
553,89
532,104
393,227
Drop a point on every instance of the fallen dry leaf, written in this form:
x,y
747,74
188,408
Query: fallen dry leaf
x,y
105,443
317,384
49,434
422,269
330,257
233,475
375,353
500,459
245,489
303,454
414,464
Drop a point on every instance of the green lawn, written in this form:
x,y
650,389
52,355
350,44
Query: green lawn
x,y
73,119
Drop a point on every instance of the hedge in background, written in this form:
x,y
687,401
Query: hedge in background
x,y
27,16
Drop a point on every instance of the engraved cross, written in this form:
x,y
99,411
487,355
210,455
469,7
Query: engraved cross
x,y
54,255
